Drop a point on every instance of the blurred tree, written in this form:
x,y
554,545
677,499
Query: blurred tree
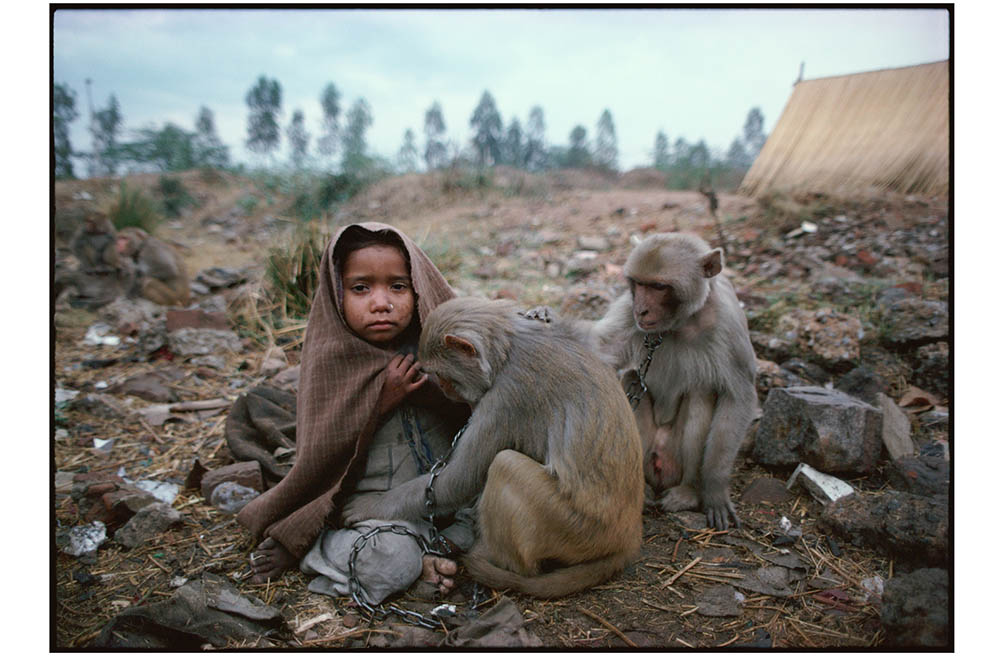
x,y
105,129
63,113
264,102
435,153
699,157
661,151
359,118
489,130
606,149
753,133
209,149
513,145
329,100
408,156
578,154
737,157
298,139
534,149
168,149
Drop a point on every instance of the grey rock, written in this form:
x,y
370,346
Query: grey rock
x,y
932,367
864,384
914,529
924,475
147,524
913,322
231,497
826,429
895,429
915,610
188,342
101,405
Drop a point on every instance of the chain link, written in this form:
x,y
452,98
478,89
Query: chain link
x,y
638,389
436,545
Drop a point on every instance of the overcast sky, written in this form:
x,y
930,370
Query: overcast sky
x,y
693,73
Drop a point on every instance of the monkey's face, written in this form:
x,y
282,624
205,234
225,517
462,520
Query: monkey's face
x,y
453,363
378,294
654,305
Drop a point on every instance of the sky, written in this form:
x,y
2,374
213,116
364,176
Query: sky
x,y
691,73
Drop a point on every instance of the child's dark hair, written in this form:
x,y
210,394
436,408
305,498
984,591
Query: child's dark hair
x,y
357,237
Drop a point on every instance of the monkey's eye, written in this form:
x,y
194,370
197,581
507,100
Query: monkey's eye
x,y
662,287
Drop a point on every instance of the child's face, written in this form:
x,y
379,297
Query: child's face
x,y
378,293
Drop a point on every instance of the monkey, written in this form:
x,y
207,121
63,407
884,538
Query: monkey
x,y
101,275
93,244
551,447
159,273
700,396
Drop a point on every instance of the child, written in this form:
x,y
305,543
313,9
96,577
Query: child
x,y
366,419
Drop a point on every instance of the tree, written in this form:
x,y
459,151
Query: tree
x,y
105,129
489,130
578,154
513,146
354,145
753,133
661,151
63,113
435,153
408,156
264,102
606,149
737,157
329,100
168,149
699,158
534,149
209,149
298,139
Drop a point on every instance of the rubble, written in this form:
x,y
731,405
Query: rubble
x,y
824,488
824,428
915,611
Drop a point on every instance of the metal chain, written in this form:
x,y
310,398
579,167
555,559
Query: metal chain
x,y
638,389
434,546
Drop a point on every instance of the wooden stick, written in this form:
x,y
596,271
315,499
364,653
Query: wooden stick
x,y
608,625
677,575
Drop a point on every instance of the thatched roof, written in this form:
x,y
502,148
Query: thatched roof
x,y
851,134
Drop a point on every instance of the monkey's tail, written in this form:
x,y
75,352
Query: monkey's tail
x,y
549,585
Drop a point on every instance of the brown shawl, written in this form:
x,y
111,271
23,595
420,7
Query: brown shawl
x,y
341,379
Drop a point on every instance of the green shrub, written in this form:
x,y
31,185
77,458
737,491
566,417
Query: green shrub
x,y
134,208
175,196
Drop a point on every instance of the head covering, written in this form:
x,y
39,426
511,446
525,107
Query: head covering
x,y
340,381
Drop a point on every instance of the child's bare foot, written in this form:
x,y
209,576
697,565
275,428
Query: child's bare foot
x,y
269,560
439,571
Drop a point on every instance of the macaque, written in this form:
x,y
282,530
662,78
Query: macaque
x,y
159,273
551,448
94,245
101,275
700,397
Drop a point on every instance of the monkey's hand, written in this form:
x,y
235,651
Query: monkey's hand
x,y
361,508
719,510
540,313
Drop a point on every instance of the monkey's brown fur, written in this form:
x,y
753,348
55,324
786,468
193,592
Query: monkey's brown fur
x,y
551,445
159,273
701,396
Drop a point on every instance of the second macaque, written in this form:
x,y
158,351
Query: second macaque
x,y
159,274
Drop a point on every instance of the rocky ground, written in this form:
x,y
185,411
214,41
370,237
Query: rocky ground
x,y
848,303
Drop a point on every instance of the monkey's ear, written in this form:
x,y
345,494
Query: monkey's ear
x,y
460,344
711,263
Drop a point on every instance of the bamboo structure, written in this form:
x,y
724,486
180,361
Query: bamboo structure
x,y
855,134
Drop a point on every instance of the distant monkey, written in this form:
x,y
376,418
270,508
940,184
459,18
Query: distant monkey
x,y
93,244
101,275
159,273
701,396
551,446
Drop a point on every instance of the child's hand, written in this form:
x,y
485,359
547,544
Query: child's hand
x,y
403,376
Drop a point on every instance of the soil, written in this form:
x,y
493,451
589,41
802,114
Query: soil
x,y
514,235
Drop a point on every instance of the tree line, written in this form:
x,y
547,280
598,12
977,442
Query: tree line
x,y
174,148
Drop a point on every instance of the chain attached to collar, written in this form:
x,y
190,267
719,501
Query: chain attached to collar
x,y
436,545
638,388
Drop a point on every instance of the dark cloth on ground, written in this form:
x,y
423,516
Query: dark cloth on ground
x,y
259,422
